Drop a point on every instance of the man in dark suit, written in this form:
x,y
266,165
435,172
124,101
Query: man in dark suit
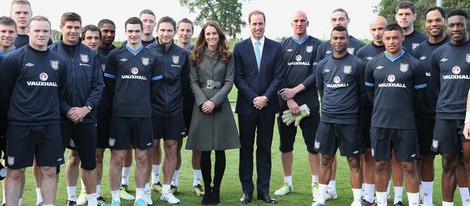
x,y
258,74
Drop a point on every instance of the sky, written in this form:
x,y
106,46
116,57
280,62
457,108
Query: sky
x,y
278,13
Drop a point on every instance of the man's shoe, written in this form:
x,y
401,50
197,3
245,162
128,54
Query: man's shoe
x,y
366,203
330,195
101,201
148,197
157,187
399,203
71,203
81,200
140,202
39,204
317,204
246,198
170,198
174,189
198,190
267,199
116,203
124,194
284,190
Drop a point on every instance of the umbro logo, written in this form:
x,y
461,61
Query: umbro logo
x,y
123,60
444,60
423,58
379,67
29,64
289,50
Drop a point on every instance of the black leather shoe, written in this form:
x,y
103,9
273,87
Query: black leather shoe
x,y
266,198
246,198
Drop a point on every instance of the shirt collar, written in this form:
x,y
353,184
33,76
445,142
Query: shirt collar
x,y
253,41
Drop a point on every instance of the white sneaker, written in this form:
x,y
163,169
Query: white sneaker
x,y
331,195
81,200
284,190
170,198
148,197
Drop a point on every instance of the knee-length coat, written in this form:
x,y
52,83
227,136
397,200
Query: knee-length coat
x,y
215,131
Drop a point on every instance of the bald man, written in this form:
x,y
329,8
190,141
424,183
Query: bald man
x,y
366,53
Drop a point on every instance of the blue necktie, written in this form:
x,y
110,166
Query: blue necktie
x,y
258,53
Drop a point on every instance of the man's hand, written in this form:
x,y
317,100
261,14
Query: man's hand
x,y
259,102
466,130
293,106
76,114
287,93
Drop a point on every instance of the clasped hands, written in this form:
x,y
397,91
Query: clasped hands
x,y
76,114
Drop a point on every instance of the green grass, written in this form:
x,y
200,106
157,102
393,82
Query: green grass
x,y
231,188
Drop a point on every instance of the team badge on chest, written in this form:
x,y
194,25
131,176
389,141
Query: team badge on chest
x,y
84,58
55,64
351,51
145,61
467,58
347,69
175,59
309,49
404,67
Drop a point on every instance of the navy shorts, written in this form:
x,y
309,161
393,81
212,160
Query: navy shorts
x,y
103,129
404,143
330,136
26,142
364,125
168,128
81,137
425,126
131,131
448,136
308,126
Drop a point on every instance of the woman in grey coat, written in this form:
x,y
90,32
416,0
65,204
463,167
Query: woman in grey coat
x,y
212,125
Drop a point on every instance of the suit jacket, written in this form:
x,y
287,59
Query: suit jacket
x,y
252,83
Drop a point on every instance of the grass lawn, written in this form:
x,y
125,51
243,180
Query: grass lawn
x,y
231,188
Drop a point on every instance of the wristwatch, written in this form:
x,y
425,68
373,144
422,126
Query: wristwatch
x,y
89,107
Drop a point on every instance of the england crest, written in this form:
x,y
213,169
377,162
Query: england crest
x,y
351,51
309,49
176,59
55,64
84,58
347,69
103,67
71,143
414,45
467,58
317,145
145,61
435,143
111,142
404,67
11,160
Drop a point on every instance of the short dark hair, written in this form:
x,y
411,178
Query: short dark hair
x,y
341,10
134,20
340,28
393,27
90,27
440,9
105,21
70,16
406,5
7,21
186,20
167,19
457,12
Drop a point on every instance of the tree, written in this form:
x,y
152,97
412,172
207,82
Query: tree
x,y
226,13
